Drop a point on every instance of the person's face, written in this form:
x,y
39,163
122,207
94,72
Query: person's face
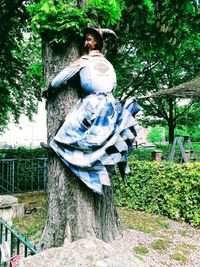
x,y
90,42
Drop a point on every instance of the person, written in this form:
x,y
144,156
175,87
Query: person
x,y
99,130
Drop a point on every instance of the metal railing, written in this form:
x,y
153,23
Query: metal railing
x,y
18,245
23,175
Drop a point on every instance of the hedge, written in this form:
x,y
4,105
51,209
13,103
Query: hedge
x,y
27,172
164,188
22,153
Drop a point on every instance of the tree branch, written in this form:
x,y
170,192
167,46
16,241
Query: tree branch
x,y
144,71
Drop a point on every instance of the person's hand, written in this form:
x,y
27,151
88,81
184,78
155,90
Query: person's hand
x,y
49,92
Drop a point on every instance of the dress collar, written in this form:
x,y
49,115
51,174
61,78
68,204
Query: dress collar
x,y
94,53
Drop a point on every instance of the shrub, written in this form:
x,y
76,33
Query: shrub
x,y
195,136
155,134
24,172
164,188
141,154
23,153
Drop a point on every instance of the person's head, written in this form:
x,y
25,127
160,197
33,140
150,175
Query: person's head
x,y
93,40
94,37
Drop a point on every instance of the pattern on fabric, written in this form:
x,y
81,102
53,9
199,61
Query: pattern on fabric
x,y
97,134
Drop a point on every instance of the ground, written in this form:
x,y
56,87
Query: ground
x,y
159,241
155,240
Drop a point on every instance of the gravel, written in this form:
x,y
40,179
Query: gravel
x,y
181,241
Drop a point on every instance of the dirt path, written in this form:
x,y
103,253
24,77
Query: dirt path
x,y
157,241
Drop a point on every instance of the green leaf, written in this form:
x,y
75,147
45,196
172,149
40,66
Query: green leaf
x,y
45,7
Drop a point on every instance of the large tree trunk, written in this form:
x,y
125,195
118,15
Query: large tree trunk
x,y
171,121
73,211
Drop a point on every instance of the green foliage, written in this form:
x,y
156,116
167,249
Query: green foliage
x,y
19,87
160,244
181,131
141,250
159,45
58,20
141,154
155,134
195,136
165,188
142,221
30,225
22,153
165,150
28,168
146,153
190,122
179,257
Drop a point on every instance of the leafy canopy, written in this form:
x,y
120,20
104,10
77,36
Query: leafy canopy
x,y
158,47
20,64
21,75
59,19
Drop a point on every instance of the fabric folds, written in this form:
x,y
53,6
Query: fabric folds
x,y
96,135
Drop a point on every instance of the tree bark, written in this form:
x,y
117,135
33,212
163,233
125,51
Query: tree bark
x,y
171,121
73,210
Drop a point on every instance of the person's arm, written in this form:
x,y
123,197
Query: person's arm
x,y
62,78
66,74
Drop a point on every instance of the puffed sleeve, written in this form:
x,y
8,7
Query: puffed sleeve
x,y
66,74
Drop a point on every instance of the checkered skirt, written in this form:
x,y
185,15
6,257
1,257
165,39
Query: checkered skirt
x,y
96,135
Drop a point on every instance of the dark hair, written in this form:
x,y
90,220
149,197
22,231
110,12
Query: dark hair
x,y
99,42
98,38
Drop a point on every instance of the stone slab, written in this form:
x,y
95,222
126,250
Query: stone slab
x,y
82,253
7,201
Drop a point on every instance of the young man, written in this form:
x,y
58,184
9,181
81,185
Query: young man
x,y
99,130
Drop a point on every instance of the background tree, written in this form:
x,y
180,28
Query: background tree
x,y
190,122
20,64
158,48
74,211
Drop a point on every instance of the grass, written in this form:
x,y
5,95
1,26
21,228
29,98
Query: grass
x,y
179,257
142,221
141,250
185,248
160,244
184,233
31,225
158,227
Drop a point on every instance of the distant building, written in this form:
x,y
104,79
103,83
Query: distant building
x,y
26,133
142,135
141,139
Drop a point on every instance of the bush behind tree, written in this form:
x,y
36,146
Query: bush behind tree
x,y
164,188
27,171
22,153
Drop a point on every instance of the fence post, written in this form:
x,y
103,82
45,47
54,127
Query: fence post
x,y
156,155
21,246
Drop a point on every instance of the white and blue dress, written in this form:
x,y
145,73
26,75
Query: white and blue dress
x,y
99,130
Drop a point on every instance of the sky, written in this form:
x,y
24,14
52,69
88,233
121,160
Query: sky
x,y
27,133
